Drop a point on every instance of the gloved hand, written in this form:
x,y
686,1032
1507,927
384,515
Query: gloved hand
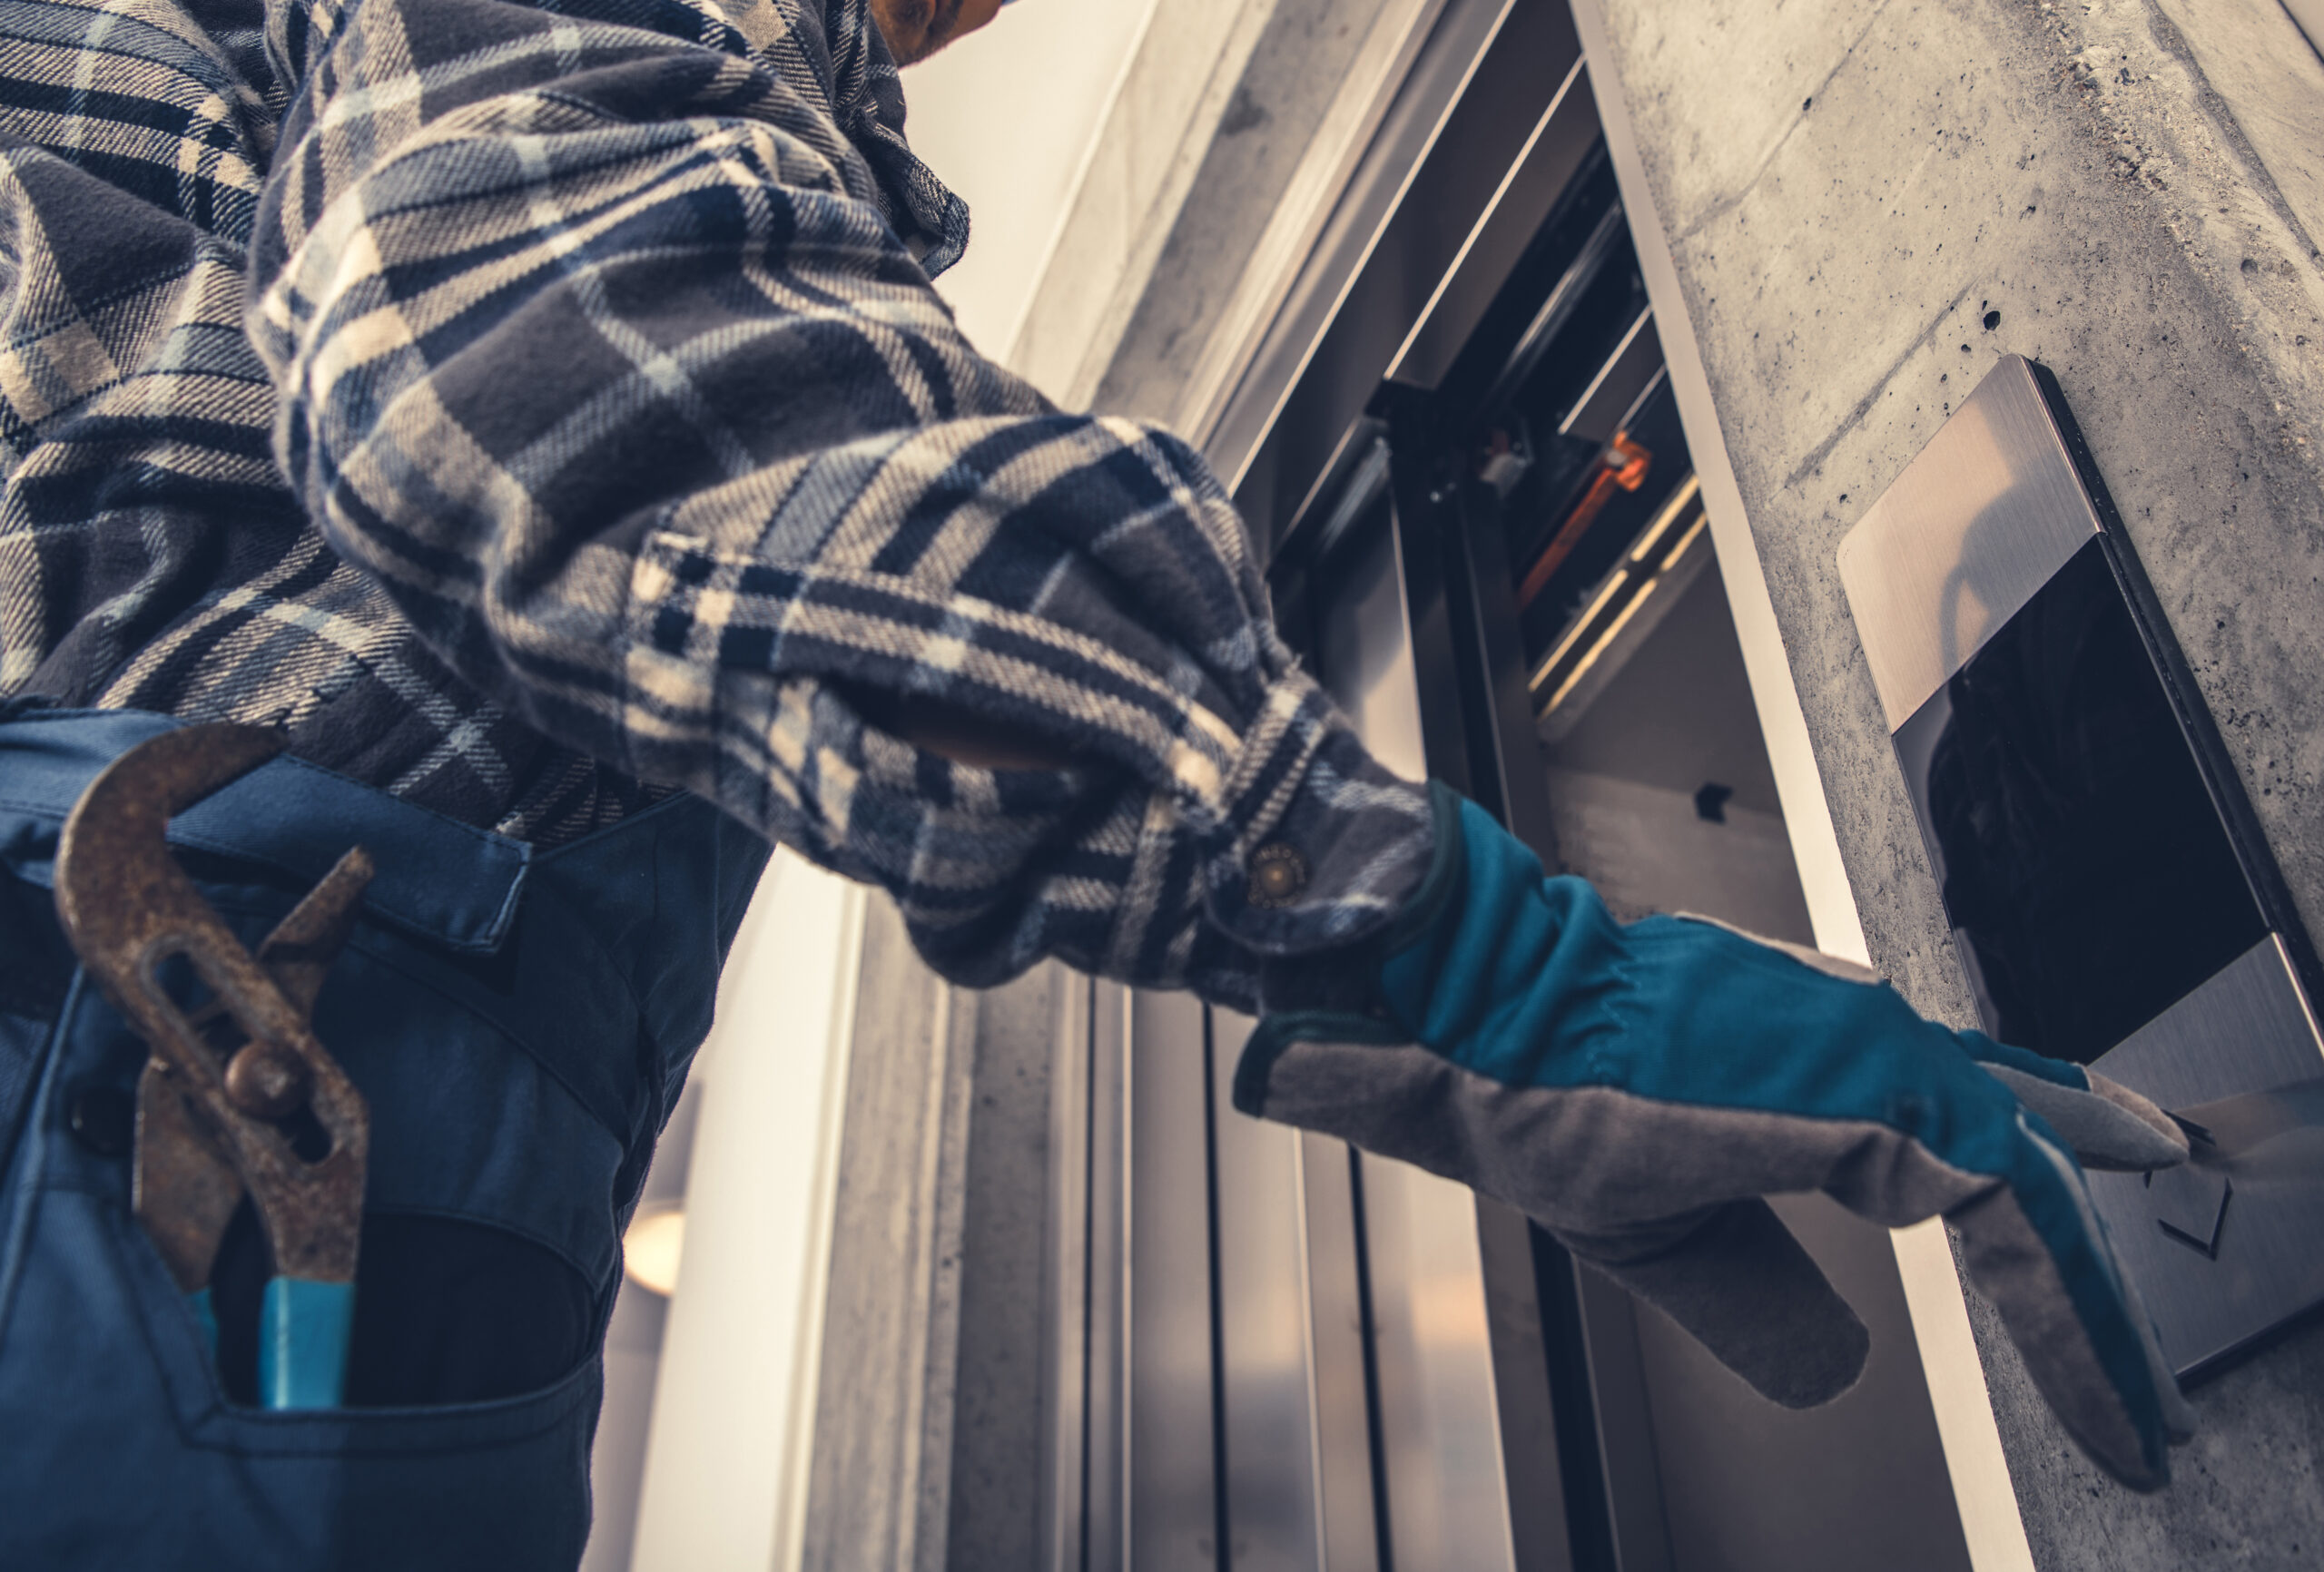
x,y
1636,1089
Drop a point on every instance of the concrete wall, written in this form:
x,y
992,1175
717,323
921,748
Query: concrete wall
x,y
1853,190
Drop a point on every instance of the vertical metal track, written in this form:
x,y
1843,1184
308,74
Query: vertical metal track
x,y
1114,1239
1222,1538
1376,1423
1065,1309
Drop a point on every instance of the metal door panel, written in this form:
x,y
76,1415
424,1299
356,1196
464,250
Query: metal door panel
x,y
1064,1308
1348,1509
1173,1511
1265,1350
1439,1421
1106,1431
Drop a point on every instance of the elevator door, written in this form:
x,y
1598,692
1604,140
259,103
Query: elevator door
x,y
1457,447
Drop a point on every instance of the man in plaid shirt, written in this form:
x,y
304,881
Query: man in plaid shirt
x,y
535,407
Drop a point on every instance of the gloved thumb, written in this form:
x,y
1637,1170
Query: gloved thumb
x,y
1738,1283
2037,1249
2103,1123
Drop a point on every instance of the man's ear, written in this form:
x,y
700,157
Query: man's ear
x,y
916,29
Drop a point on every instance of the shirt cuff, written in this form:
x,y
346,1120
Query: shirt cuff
x,y
1319,845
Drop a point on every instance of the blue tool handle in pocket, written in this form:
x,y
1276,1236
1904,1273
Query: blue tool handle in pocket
x,y
205,1319
302,1343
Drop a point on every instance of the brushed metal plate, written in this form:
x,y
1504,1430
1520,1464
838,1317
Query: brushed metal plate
x,y
1974,524
1987,515
2219,1264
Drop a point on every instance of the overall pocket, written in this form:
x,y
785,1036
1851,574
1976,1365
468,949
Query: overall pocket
x,y
517,1044
153,1466
488,1264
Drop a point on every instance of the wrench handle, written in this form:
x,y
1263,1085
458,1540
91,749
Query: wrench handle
x,y
303,1325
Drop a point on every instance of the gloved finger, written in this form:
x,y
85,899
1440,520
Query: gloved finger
x,y
1738,1283
2037,1249
2109,1126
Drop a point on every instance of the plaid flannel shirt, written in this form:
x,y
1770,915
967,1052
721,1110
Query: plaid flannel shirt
x,y
519,403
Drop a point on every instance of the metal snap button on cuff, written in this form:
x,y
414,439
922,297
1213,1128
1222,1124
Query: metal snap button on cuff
x,y
1278,875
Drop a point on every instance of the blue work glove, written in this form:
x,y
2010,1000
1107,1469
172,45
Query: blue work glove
x,y
1636,1089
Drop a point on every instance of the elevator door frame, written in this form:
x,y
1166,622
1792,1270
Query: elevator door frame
x,y
1300,419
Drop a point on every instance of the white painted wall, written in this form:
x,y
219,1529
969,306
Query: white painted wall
x,y
727,1454
1007,118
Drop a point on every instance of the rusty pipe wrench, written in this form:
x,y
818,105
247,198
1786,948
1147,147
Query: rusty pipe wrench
x,y
183,1189
253,1087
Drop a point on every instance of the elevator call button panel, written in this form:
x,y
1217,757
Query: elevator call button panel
x,y
2111,898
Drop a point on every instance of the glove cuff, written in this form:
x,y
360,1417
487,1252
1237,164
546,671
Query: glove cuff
x,y
1333,996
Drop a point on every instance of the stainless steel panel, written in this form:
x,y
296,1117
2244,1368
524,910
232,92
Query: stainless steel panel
x,y
1633,1472
1410,126
1439,1430
1974,524
1365,656
1107,1479
1273,1509
1533,1471
1441,181
1440,1419
1564,136
1173,1506
1065,1309
1347,1509
2248,1029
1988,513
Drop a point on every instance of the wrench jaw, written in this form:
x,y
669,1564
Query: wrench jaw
x,y
311,1208
183,1189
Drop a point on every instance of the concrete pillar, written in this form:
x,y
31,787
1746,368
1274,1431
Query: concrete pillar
x,y
1865,203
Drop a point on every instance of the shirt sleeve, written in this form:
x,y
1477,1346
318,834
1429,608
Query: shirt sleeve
x,y
597,346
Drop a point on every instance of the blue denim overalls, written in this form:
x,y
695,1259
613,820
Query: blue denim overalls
x,y
519,1023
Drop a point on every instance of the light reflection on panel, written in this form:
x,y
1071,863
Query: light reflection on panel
x,y
1109,1376
1272,1522
1974,524
1347,1519
1440,1423
1440,1420
1172,1510
1365,652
